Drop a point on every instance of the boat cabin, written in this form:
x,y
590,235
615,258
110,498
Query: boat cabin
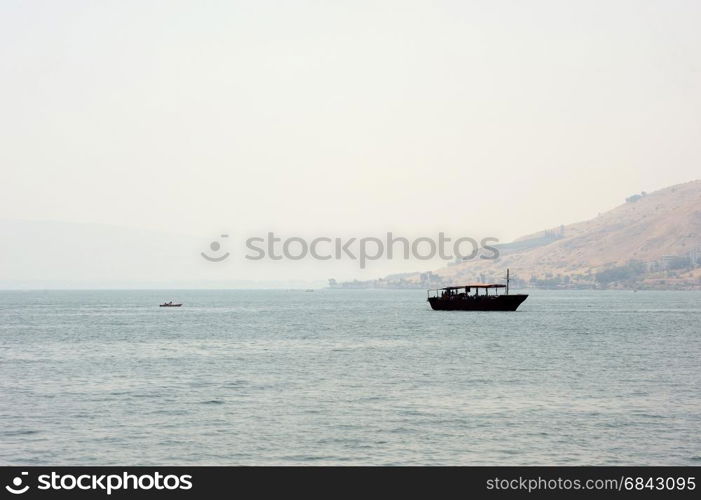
x,y
469,291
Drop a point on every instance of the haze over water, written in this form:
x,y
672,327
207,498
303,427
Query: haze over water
x,y
348,377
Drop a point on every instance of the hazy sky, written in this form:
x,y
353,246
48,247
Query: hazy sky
x,y
483,117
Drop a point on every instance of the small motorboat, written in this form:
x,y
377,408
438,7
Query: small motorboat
x,y
170,304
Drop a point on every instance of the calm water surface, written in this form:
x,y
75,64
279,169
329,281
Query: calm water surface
x,y
348,377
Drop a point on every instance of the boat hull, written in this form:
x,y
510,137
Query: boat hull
x,y
484,303
170,305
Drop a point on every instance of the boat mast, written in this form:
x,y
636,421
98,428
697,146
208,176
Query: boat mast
x,y
507,281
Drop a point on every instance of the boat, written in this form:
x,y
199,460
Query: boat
x,y
170,304
460,298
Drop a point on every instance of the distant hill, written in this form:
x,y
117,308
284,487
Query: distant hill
x,y
650,241
50,254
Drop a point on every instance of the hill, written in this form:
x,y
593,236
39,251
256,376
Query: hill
x,y
650,241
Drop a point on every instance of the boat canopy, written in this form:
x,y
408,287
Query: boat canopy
x,y
474,285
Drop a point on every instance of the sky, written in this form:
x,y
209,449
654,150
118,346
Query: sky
x,y
478,118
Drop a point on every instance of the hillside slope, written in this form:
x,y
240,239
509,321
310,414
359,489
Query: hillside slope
x,y
652,240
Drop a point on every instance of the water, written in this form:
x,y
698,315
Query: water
x,y
348,377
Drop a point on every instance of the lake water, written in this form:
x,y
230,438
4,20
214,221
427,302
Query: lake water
x,y
348,377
